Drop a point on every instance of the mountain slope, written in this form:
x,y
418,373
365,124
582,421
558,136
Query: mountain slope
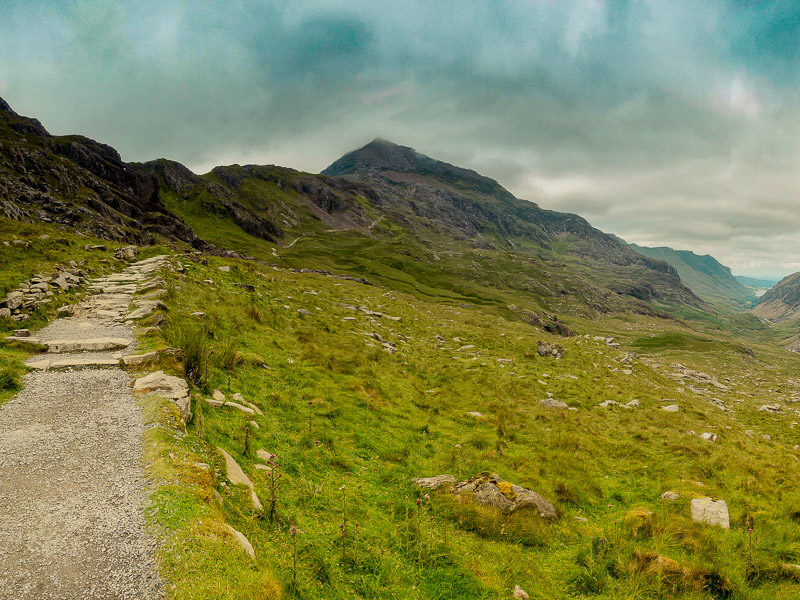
x,y
388,212
79,183
706,277
781,302
384,211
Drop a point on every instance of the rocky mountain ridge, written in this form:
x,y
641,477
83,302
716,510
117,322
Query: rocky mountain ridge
x,y
80,183
383,196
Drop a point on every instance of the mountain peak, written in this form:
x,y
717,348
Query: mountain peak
x,y
380,158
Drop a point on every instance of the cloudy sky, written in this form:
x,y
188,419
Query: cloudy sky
x,y
667,122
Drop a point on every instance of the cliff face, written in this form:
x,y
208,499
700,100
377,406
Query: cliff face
x,y
81,183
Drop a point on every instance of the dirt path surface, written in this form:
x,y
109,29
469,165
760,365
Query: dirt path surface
x,y
72,486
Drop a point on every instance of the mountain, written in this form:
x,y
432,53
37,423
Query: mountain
x,y
384,211
388,212
705,275
781,302
79,183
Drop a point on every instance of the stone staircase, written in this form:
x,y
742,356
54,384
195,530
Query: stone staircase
x,y
96,335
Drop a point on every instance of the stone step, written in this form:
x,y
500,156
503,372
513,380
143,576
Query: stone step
x,y
90,345
71,363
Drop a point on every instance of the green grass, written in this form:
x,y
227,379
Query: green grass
x,y
351,424
378,419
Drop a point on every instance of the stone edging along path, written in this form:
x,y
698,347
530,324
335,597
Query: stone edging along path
x,y
72,484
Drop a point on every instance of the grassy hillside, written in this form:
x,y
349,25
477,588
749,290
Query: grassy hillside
x,y
352,423
707,278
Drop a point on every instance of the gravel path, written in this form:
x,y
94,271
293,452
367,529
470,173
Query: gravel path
x,y
72,485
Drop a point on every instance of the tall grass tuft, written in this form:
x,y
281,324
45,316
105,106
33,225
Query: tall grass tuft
x,y
198,353
9,375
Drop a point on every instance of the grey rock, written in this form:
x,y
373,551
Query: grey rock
x,y
670,496
706,510
172,388
673,408
491,490
552,403
237,477
14,300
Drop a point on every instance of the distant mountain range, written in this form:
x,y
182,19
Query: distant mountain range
x,y
756,283
705,275
383,211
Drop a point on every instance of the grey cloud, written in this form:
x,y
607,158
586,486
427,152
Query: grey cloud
x,y
670,121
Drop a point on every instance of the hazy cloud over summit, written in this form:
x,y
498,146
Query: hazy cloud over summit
x,y
667,122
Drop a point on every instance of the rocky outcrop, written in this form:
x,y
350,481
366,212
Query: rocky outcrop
x,y
80,183
39,291
491,490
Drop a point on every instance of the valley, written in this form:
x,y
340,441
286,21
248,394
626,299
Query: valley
x,y
394,318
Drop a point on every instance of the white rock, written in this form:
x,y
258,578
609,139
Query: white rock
x,y
671,408
217,395
225,269
706,510
670,496
711,437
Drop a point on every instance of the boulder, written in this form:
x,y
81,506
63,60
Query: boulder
x,y
673,408
434,483
670,496
172,388
219,396
706,510
490,490
773,409
5,313
553,403
710,437
14,300
225,269
126,253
